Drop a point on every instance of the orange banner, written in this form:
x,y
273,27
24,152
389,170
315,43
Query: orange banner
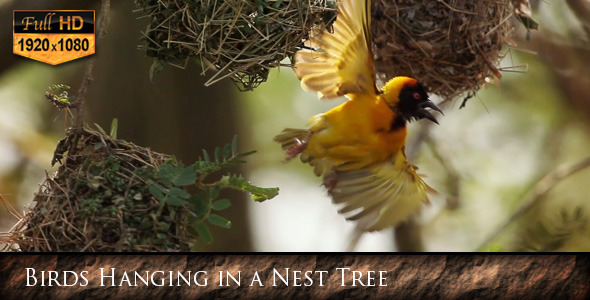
x,y
53,37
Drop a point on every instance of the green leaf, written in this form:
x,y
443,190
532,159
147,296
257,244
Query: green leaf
x,y
262,194
206,156
192,219
166,172
215,192
227,152
192,230
157,66
157,191
258,194
220,205
204,167
177,175
59,86
217,155
114,125
219,221
180,193
174,201
277,4
185,176
163,226
204,233
104,133
199,205
246,153
234,145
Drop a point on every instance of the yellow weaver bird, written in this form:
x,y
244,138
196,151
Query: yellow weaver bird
x,y
358,146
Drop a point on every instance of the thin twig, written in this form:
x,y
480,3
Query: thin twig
x,y
88,73
455,9
453,176
10,209
538,192
489,63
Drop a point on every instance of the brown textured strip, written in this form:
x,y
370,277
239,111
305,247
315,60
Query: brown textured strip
x,y
413,277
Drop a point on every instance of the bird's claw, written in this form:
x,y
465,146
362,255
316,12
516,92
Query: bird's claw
x,y
296,149
300,146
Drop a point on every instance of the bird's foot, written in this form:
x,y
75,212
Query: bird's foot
x,y
300,145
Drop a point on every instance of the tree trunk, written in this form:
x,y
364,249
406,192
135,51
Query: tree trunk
x,y
175,114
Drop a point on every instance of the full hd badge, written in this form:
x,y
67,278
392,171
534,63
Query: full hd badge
x,y
53,36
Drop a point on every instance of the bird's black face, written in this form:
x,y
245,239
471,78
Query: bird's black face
x,y
413,101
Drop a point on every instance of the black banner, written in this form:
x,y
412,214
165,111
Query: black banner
x,y
53,21
262,276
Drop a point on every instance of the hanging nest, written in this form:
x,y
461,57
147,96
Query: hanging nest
x,y
239,39
449,46
99,201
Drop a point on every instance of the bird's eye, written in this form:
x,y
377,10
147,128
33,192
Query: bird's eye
x,y
416,95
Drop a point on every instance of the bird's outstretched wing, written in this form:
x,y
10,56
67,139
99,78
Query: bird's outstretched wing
x,y
379,195
341,62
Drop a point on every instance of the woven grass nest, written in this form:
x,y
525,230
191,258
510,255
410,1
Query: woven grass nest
x,y
451,46
99,201
239,39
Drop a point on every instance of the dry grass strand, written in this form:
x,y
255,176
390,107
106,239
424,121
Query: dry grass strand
x,y
236,39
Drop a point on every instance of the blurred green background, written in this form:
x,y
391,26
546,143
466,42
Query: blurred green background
x,y
488,160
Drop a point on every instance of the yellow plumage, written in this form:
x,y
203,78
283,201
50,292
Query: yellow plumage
x,y
358,146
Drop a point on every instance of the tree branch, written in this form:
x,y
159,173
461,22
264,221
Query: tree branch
x,y
453,176
408,237
103,23
538,192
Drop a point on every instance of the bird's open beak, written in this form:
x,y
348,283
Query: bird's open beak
x,y
423,113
